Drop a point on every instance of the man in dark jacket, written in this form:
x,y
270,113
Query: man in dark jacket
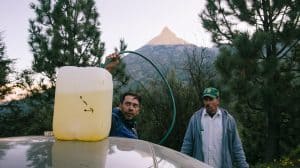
x,y
212,135
123,117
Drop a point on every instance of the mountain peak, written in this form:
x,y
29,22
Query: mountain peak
x,y
166,37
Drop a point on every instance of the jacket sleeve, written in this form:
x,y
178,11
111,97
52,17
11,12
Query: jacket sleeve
x,y
238,154
114,124
188,141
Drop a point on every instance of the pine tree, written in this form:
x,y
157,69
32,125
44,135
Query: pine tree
x,y
65,32
258,69
5,68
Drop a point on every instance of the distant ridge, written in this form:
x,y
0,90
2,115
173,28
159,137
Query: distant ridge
x,y
166,37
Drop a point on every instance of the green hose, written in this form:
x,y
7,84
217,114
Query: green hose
x,y
169,89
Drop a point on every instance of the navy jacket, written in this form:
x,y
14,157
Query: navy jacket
x,y
121,127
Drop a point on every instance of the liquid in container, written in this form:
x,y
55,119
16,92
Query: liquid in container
x,y
83,103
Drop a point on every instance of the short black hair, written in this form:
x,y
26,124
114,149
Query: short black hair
x,y
135,95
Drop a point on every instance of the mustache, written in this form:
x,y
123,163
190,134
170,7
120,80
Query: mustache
x,y
207,105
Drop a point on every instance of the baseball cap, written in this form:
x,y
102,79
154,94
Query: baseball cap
x,y
211,92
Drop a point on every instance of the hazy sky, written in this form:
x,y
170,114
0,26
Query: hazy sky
x,y
137,21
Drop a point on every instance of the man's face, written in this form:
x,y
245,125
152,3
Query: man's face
x,y
130,107
211,104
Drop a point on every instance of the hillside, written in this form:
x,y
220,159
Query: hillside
x,y
169,53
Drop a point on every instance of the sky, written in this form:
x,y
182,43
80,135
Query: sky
x,y
135,21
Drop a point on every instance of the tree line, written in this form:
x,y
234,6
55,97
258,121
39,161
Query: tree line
x,y
257,72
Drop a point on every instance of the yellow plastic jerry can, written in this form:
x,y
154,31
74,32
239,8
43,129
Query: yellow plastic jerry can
x,y
83,103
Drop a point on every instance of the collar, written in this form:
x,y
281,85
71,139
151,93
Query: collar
x,y
218,113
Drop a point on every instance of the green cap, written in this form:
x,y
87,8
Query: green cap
x,y
211,92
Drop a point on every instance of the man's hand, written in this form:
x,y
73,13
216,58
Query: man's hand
x,y
113,60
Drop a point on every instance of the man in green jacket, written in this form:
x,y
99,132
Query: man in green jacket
x,y
212,135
